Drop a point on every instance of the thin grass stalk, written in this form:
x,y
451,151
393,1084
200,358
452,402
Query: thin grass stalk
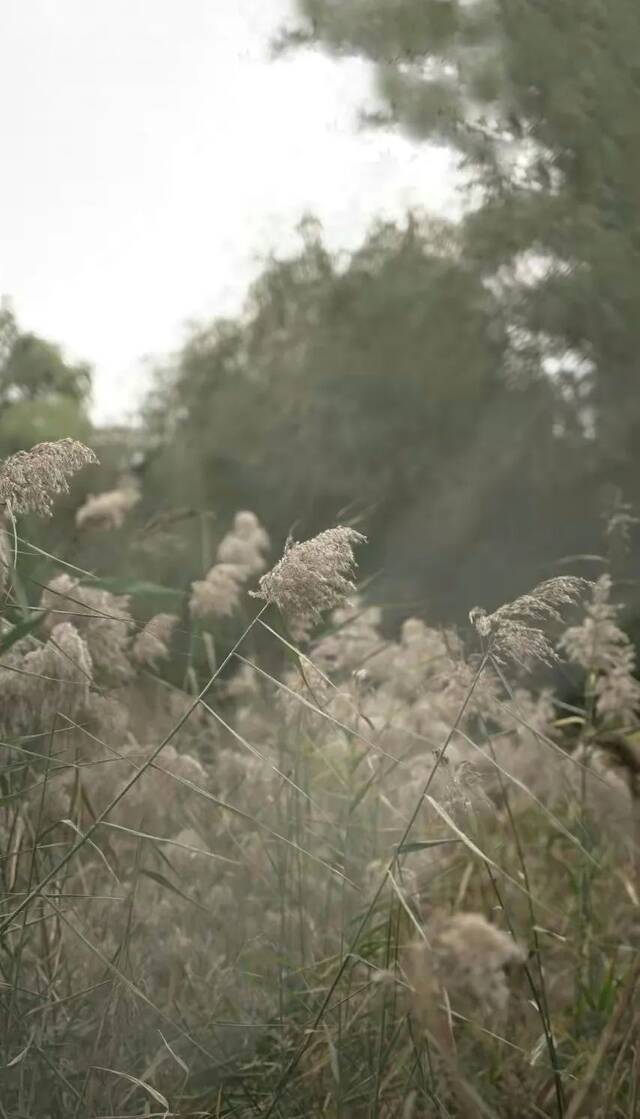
x,y
541,999
635,804
428,1090
383,1016
541,1008
617,1076
634,1102
585,906
585,857
121,977
17,956
623,1001
297,1056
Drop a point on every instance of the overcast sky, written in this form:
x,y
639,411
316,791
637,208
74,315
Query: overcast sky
x,y
152,155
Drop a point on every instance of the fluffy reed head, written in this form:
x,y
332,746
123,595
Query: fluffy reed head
x,y
29,480
313,576
600,646
508,631
239,555
152,643
108,510
43,680
245,544
103,619
470,959
218,594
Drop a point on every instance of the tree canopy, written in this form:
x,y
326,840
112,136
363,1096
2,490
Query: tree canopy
x,y
541,101
386,389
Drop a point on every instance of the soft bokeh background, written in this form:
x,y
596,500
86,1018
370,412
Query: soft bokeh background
x,y
154,157
387,274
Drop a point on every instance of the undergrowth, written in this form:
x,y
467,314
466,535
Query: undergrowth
x,y
261,859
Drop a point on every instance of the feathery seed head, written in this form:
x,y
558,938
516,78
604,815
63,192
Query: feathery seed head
x,y
469,958
620,520
29,480
49,678
65,655
245,544
480,620
217,595
241,553
107,510
152,643
247,526
473,954
599,645
508,630
313,576
102,618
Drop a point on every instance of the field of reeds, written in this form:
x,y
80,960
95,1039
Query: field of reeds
x,y
259,857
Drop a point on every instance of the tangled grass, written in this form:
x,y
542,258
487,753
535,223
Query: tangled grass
x,y
392,879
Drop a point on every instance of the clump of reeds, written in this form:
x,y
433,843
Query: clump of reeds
x,y
226,881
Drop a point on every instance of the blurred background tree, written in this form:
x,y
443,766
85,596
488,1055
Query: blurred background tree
x,y
541,101
386,389
42,396
466,393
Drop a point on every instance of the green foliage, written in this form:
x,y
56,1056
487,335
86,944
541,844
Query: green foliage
x,y
35,368
42,396
374,388
541,102
27,422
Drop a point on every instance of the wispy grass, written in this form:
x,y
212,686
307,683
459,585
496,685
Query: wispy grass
x,y
215,896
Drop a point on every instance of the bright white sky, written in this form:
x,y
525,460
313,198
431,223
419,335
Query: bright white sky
x,y
153,155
